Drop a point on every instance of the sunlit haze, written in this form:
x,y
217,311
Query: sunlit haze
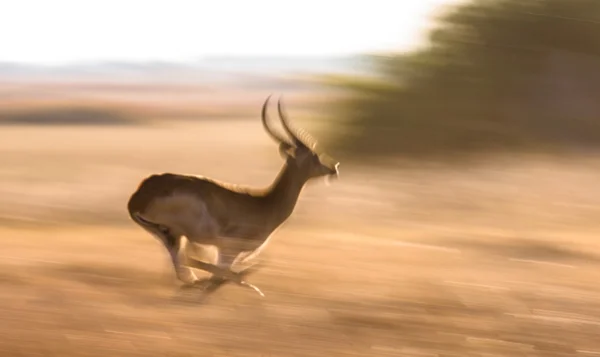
x,y
64,31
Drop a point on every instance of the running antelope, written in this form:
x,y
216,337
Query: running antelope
x,y
236,221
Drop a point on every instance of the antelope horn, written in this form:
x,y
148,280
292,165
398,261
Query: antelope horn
x,y
264,118
306,141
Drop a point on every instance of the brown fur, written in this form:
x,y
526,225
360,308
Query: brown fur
x,y
237,220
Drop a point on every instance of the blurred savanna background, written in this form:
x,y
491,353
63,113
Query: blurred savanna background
x,y
464,223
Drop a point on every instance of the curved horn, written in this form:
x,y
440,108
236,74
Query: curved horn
x,y
264,118
306,140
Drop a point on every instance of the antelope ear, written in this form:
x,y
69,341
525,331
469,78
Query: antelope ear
x,y
286,150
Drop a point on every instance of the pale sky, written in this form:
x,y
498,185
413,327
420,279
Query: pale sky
x,y
63,31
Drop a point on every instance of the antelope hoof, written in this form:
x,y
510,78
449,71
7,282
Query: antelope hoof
x,y
196,284
253,287
203,284
186,287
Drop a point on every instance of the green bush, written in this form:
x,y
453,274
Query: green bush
x,y
496,76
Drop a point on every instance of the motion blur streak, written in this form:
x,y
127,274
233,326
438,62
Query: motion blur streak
x,y
464,223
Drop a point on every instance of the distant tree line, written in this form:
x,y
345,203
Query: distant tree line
x,y
497,75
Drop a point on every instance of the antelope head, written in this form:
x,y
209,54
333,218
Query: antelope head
x,y
299,149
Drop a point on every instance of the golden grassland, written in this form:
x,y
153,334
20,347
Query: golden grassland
x,y
499,258
148,101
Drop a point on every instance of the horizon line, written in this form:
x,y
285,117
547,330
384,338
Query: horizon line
x,y
188,61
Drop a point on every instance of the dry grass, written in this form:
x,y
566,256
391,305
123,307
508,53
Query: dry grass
x,y
499,259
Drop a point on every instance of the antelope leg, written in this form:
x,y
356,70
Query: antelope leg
x,y
215,283
223,274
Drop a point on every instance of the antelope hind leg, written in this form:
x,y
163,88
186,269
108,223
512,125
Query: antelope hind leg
x,y
222,273
215,283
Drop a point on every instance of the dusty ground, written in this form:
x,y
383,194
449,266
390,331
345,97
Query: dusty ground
x,y
495,260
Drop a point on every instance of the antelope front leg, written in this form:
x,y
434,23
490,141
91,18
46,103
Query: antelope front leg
x,y
179,260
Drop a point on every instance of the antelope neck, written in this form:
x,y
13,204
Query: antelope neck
x,y
284,192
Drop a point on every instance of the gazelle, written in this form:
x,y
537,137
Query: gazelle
x,y
235,220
